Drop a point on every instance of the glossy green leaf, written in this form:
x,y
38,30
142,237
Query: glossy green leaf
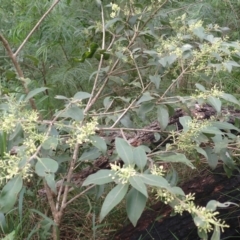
x,y
162,116
154,180
125,151
100,177
90,154
140,157
99,143
215,102
50,143
113,198
138,184
81,96
135,204
178,158
35,92
9,194
45,166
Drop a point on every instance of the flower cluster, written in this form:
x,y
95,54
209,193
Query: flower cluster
x,y
13,165
82,133
186,141
214,92
115,10
158,171
164,195
204,219
122,174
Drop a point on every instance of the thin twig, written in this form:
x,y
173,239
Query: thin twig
x,y
79,195
127,109
18,70
69,176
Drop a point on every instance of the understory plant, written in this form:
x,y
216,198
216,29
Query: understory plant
x,y
142,55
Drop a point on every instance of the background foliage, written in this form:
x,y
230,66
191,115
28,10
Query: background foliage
x,y
111,67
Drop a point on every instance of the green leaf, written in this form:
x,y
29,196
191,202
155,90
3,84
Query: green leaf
x,y
172,177
156,79
90,154
145,97
50,143
114,197
99,143
3,224
226,158
179,158
185,120
202,151
44,216
81,96
176,191
225,126
215,102
101,177
212,158
74,112
162,116
45,166
199,222
212,205
230,98
135,204
140,157
10,236
107,102
199,32
137,183
200,87
35,92
9,193
211,130
51,182
203,235
216,233
145,108
154,180
60,97
125,151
